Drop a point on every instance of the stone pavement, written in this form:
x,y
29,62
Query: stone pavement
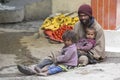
x,y
108,70
102,71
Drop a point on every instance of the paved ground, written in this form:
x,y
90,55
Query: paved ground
x,y
19,45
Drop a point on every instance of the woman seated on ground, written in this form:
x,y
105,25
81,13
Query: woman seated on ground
x,y
86,20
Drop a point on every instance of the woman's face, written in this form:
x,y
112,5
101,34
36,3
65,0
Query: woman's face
x,y
84,18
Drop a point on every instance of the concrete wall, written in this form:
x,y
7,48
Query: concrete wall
x,y
10,16
112,39
25,10
67,5
44,8
38,9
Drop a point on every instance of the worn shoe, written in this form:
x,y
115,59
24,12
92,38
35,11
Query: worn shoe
x,y
25,70
81,65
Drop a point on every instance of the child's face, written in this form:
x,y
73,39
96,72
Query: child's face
x,y
67,42
90,34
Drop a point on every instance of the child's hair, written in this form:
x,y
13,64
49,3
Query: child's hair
x,y
90,28
69,34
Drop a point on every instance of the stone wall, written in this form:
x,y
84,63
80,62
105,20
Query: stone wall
x,y
37,9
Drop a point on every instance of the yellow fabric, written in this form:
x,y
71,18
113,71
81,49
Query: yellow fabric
x,y
63,67
54,23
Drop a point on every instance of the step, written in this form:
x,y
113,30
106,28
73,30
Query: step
x,y
112,43
10,14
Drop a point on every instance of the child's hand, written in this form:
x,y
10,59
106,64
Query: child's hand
x,y
78,48
53,57
82,52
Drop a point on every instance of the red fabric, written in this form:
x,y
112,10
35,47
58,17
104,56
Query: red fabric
x,y
57,34
85,9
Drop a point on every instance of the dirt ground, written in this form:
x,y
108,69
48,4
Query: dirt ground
x,y
20,45
39,48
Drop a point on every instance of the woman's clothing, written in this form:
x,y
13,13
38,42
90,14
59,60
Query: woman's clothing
x,y
99,49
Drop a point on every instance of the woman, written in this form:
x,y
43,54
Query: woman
x,y
86,20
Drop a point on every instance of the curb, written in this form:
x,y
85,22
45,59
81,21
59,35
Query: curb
x,y
112,54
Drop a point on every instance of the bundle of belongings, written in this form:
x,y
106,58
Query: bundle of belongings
x,y
55,26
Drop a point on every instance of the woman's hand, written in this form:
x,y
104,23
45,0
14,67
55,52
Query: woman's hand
x,y
82,52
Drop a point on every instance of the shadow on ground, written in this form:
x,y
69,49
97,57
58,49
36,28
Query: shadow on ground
x,y
10,44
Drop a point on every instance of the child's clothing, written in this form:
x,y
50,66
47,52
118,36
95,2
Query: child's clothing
x,y
52,69
66,60
85,44
44,63
68,56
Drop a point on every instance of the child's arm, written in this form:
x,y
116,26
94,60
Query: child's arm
x,y
53,57
65,58
86,47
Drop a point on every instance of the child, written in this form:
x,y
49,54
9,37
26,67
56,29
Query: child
x,y
67,59
85,44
